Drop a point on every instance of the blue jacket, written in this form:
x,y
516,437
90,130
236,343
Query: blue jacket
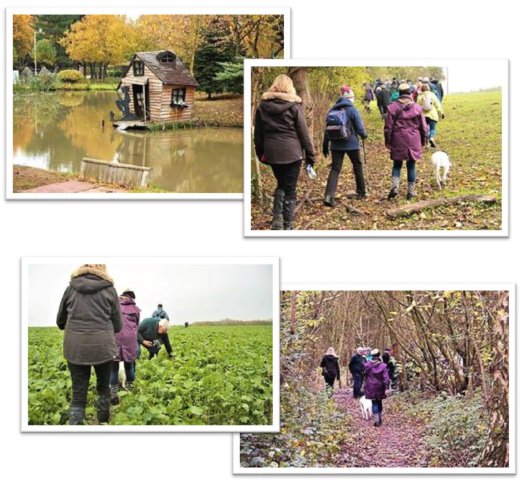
x,y
352,142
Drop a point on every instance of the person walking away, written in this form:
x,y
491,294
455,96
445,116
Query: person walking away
x,y
90,316
432,87
383,100
389,359
126,344
281,139
377,384
368,97
343,129
439,87
152,333
405,132
432,109
356,368
330,368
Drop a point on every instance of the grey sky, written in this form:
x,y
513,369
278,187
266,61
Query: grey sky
x,y
472,76
187,292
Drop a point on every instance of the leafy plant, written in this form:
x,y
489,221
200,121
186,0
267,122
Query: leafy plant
x,y
220,375
71,76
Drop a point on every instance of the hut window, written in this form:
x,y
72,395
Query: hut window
x,y
167,58
178,96
138,68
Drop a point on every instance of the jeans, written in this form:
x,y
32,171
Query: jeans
x,y
357,386
337,157
80,375
130,372
377,406
432,127
287,177
410,165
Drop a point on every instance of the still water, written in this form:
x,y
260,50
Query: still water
x,y
55,131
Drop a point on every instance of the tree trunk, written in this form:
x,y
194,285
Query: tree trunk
x,y
496,451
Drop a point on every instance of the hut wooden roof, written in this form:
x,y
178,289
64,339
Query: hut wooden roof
x,y
174,73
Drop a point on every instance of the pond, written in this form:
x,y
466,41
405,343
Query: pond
x,y
55,131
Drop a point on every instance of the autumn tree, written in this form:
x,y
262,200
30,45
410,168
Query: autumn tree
x,y
182,34
23,29
99,41
45,53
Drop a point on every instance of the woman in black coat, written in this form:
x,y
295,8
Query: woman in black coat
x,y
330,368
281,138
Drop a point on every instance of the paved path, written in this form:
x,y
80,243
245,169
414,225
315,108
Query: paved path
x,y
74,186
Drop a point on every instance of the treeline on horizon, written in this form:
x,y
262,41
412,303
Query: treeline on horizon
x,y
229,321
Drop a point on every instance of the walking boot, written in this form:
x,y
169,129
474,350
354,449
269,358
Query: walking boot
x,y
376,417
380,419
103,406
129,386
76,415
329,201
289,213
432,143
395,182
411,191
278,207
114,395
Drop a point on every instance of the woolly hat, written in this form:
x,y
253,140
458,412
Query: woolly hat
x,y
375,352
128,292
345,91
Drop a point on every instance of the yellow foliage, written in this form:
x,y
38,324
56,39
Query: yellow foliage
x,y
23,34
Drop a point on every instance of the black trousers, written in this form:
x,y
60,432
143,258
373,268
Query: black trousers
x,y
80,375
287,177
337,157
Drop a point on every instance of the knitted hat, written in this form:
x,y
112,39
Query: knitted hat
x,y
128,292
403,87
375,352
346,91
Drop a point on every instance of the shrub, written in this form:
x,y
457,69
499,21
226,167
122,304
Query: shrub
x,y
43,83
71,76
457,428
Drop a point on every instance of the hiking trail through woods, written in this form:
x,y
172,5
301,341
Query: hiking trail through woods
x,y
399,442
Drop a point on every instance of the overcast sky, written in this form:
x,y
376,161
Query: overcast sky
x,y
473,76
188,292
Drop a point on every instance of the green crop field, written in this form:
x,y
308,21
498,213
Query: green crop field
x,y
221,375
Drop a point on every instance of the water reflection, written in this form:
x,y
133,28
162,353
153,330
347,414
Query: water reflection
x,y
55,131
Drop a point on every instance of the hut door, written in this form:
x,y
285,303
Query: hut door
x,y
140,101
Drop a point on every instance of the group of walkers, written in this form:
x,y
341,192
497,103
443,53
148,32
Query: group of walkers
x,y
282,140
372,375
101,330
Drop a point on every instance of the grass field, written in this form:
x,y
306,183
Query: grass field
x,y
220,375
471,134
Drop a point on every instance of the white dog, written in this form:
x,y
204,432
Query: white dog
x,y
121,374
366,408
441,160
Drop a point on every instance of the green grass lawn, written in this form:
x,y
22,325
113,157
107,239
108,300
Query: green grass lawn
x,y
471,134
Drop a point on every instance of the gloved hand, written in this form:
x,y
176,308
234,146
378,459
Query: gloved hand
x,y
325,153
442,116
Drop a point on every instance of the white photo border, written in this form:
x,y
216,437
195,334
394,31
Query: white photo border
x,y
248,232
26,262
10,195
468,286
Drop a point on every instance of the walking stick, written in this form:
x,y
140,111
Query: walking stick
x,y
365,166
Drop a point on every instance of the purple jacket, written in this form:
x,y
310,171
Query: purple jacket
x,y
405,130
368,96
377,379
126,339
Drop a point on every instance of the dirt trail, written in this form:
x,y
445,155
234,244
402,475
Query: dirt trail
x,y
399,442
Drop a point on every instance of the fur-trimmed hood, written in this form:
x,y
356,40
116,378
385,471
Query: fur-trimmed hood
x,y
286,97
90,279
